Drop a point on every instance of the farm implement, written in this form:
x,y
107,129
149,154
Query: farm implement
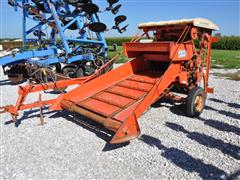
x,y
60,36
166,64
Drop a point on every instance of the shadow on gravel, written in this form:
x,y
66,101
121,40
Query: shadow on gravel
x,y
27,115
223,112
208,141
185,161
221,126
163,103
233,105
5,82
55,92
91,126
235,176
176,108
180,109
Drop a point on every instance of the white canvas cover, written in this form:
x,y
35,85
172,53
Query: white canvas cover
x,y
198,22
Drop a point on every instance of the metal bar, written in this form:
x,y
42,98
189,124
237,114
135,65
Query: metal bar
x,y
27,89
208,63
27,55
24,25
85,41
59,27
36,104
108,123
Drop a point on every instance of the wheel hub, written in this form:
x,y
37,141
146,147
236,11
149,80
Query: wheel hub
x,y
199,103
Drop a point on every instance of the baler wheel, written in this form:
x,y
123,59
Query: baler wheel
x,y
195,102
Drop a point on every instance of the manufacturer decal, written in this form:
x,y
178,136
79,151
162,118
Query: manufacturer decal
x,y
182,53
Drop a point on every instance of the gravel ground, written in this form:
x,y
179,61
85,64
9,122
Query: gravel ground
x,y
171,145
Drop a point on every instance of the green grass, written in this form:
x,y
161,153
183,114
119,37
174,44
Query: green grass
x,y
229,59
121,59
226,59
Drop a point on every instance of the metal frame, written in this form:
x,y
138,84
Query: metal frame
x,y
50,55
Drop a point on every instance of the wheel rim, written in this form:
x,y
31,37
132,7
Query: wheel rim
x,y
199,103
70,74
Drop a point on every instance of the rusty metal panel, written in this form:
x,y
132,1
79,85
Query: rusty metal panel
x,y
136,85
143,78
124,114
113,99
99,107
126,92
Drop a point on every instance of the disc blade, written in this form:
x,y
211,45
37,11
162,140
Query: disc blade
x,y
90,8
116,9
97,27
120,19
42,8
111,2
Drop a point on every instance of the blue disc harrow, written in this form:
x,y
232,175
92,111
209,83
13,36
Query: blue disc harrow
x,y
62,36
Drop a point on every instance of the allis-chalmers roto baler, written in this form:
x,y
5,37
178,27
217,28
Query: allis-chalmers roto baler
x,y
166,64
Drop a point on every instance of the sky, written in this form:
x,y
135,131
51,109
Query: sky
x,y
225,13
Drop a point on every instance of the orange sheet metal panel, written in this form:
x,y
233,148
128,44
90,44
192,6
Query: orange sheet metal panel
x,y
126,92
180,52
101,83
136,49
99,107
143,78
136,85
123,115
156,57
113,99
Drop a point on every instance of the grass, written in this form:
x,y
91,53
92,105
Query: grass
x,y
229,59
226,59
121,59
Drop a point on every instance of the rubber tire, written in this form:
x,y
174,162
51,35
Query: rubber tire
x,y
190,103
68,69
80,72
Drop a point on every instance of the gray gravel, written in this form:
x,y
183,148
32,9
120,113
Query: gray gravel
x,y
171,145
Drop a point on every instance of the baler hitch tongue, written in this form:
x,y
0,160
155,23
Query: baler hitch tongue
x,y
2,110
7,109
11,110
124,131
